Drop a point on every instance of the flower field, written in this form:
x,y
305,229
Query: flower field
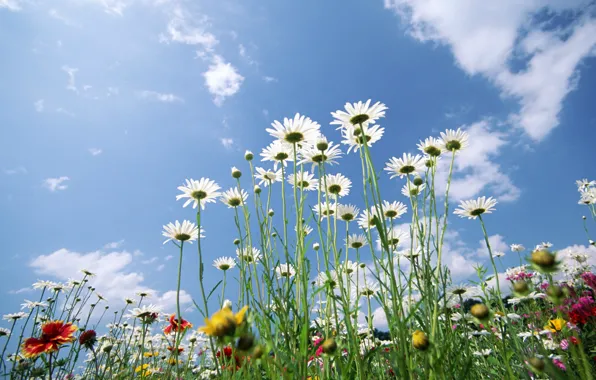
x,y
311,278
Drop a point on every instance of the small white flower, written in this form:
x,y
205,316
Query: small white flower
x,y
297,130
454,140
185,231
4,332
347,213
145,311
368,218
224,263
285,271
355,137
315,156
431,146
324,209
32,304
234,197
202,191
250,255
42,284
409,190
356,241
405,165
337,185
358,113
517,247
14,316
394,209
499,254
486,352
278,152
476,207
305,180
267,177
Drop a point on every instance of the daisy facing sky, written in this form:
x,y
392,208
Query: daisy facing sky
x,y
157,97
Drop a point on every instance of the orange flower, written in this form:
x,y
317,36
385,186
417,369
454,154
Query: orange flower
x,y
53,335
175,326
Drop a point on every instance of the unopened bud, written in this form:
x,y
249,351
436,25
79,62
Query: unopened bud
x,y
248,156
236,173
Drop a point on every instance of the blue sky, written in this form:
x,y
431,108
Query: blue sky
x,y
108,105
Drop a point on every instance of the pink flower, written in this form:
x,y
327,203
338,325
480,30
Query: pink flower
x,y
453,327
564,344
559,364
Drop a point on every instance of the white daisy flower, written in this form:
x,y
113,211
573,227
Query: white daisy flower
x,y
517,247
324,279
355,137
499,254
349,267
476,207
297,130
305,180
224,263
454,140
368,218
267,177
405,165
4,332
311,154
234,197
588,197
431,146
250,255
347,213
202,191
367,289
144,294
394,209
14,316
285,271
395,235
278,152
42,284
410,190
461,290
32,304
358,113
236,173
338,185
87,273
145,311
356,241
584,184
187,231
324,210
486,352
248,155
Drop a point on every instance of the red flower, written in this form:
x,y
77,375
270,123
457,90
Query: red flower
x,y
53,335
88,338
229,354
175,326
574,340
180,349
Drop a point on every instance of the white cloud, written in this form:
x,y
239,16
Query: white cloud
x,y
55,184
552,55
169,257
39,105
71,72
95,151
151,260
475,170
228,143
11,5
19,291
160,267
114,244
188,29
160,97
222,79
269,79
17,170
114,277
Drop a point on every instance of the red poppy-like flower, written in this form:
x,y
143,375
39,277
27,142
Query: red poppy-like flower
x,y
88,338
231,358
180,349
53,335
176,326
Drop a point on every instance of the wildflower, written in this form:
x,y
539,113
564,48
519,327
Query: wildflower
x,y
224,263
536,364
278,152
187,231
544,261
14,316
405,165
316,156
337,185
476,207
368,219
249,255
248,156
329,346
145,312
327,279
358,113
555,325
480,311
294,131
394,209
521,288
4,332
245,342
485,352
267,177
236,173
420,340
356,241
144,369
582,311
316,246
517,247
564,344
42,284
202,191
559,364
285,271
412,191
53,335
88,338
144,294
32,304
369,289
454,140
347,213
151,354
234,197
176,326
324,209
303,180
356,136
223,322
431,146
499,254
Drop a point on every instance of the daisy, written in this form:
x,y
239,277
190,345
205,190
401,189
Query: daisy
x,y
486,352
499,254
316,156
187,231
248,155
294,131
544,245
368,218
87,273
517,247
42,284
250,255
327,279
358,113
394,209
14,316
475,207
278,152
431,146
355,137
305,180
349,267
32,304
202,191
368,289
236,173
409,190
285,271
347,213
144,294
224,263
460,290
234,197
324,209
306,229
584,184
356,241
4,332
454,140
405,165
337,185
145,311
588,197
267,177
395,235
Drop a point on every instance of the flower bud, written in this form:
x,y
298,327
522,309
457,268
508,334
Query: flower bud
x,y
245,343
316,246
536,364
543,261
236,173
271,213
420,340
521,288
248,156
480,311
257,189
418,181
329,346
236,241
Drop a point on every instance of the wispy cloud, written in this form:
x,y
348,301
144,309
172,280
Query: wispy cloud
x,y
160,97
58,16
17,170
95,151
189,29
269,79
71,72
55,184
114,244
39,105
227,142
64,112
222,79
151,260
20,291
169,257
11,5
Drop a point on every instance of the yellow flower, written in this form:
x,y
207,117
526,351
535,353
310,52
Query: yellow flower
x,y
223,322
420,340
555,325
144,368
173,361
151,354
